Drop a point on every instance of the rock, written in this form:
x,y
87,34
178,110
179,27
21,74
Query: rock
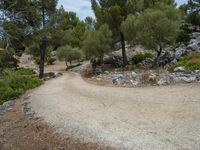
x,y
147,63
6,106
179,69
118,46
117,75
152,76
162,82
98,70
134,74
163,60
57,74
135,83
188,79
180,52
173,62
53,54
119,81
106,72
194,46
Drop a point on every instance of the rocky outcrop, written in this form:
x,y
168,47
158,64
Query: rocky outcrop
x,y
149,77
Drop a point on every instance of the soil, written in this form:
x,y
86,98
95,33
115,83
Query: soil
x,y
147,118
20,130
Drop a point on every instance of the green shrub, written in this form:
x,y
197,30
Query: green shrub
x,y
70,67
25,71
13,84
191,62
183,37
37,60
140,57
50,61
7,60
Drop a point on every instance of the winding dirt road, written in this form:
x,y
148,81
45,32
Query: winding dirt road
x,y
147,118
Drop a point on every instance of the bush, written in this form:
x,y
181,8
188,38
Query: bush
x,y
50,61
183,37
7,60
191,62
140,57
37,60
13,84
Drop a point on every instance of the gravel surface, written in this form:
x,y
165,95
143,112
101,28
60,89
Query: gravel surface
x,y
124,118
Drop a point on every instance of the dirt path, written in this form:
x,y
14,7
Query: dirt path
x,y
20,130
124,118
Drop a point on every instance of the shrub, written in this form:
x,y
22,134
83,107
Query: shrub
x,y
183,37
140,57
25,71
70,67
13,84
191,62
50,61
37,60
7,60
69,54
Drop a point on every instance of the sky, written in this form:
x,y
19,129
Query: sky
x,y
83,7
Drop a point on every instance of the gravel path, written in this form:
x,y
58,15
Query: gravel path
x,y
124,118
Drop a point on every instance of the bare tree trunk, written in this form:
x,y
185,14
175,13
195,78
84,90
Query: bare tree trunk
x,y
42,56
42,47
124,57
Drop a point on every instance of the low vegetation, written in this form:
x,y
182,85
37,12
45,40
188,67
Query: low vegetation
x,y
7,60
141,56
15,83
69,54
190,62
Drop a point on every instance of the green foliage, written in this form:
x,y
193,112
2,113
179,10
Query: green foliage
x,y
69,54
37,60
155,29
69,68
194,18
97,43
13,84
50,60
25,71
140,57
75,35
7,60
129,28
191,62
34,50
95,62
183,37
89,23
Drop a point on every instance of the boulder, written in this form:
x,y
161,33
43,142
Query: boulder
x,y
179,69
163,60
119,81
135,83
134,74
98,70
162,82
106,72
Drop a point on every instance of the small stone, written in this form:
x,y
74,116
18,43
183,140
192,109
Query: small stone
x,y
179,69
134,74
162,82
135,83
106,72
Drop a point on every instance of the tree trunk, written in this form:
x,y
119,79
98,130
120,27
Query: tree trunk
x,y
124,57
42,47
159,51
42,56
